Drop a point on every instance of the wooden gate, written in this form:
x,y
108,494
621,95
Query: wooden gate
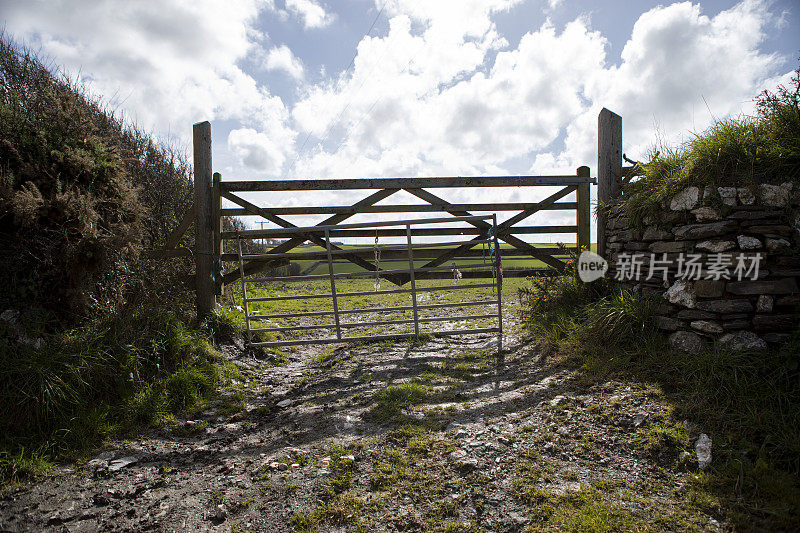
x,y
216,267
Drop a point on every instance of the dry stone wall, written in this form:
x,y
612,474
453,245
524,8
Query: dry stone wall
x,y
698,258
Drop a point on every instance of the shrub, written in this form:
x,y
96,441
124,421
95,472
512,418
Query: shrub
x,y
619,318
561,293
81,193
93,335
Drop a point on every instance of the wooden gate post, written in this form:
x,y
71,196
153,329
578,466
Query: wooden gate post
x,y
204,231
609,169
584,211
216,224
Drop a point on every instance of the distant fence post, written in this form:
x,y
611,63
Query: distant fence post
x,y
609,168
204,234
584,210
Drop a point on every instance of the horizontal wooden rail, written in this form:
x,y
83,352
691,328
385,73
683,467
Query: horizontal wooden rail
x,y
400,183
411,320
508,272
396,255
415,208
292,328
417,232
369,250
376,323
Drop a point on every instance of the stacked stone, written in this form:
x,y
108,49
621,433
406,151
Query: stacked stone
x,y
744,314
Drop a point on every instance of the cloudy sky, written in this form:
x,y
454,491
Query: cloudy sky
x,y
357,88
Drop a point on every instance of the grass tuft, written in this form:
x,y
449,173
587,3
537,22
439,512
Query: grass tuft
x,y
739,152
98,382
748,403
391,401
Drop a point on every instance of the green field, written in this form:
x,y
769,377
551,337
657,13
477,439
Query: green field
x,y
309,266
373,303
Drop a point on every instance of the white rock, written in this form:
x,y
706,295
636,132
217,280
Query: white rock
x,y
96,464
748,243
682,293
728,195
686,341
121,463
715,246
458,454
777,245
703,450
746,197
558,400
285,403
765,303
743,341
469,463
775,195
10,315
705,214
706,326
685,200
220,513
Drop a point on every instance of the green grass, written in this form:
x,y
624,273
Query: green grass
x,y
217,497
342,469
392,400
748,403
99,382
664,436
344,266
586,511
338,504
374,301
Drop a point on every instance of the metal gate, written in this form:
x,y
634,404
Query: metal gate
x,y
488,268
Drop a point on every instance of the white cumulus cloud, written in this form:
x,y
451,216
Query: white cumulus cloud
x,y
679,71
166,64
281,58
256,150
312,13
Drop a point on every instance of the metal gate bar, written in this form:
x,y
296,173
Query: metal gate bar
x,y
373,309
495,273
365,274
364,293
